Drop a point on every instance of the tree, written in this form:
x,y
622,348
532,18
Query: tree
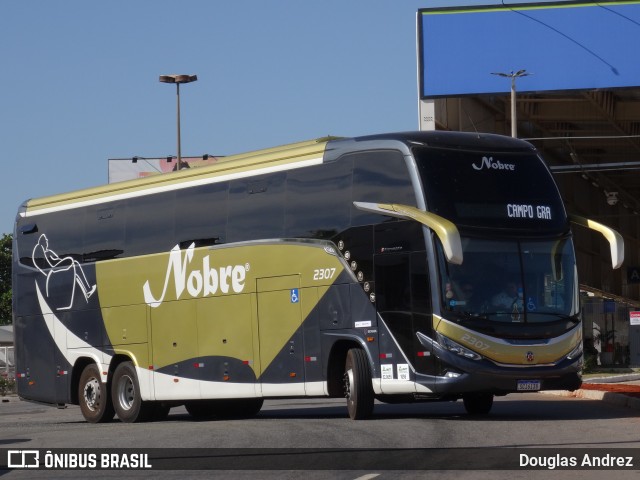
x,y
5,279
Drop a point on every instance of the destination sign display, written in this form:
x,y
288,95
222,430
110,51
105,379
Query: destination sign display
x,y
542,212
502,190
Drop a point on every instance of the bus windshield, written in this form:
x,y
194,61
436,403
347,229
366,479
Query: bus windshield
x,y
511,281
511,191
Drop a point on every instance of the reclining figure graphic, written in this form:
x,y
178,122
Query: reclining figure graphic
x,y
57,265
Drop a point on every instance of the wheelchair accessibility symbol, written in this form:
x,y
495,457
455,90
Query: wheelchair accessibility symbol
x,y
295,296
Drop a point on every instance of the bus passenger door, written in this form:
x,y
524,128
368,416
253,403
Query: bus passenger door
x,y
393,302
280,336
403,300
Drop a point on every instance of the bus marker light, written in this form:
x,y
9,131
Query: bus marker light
x,y
198,365
292,374
386,355
176,380
424,354
371,339
310,359
226,378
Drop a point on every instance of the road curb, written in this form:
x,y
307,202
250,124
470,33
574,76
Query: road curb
x,y
612,398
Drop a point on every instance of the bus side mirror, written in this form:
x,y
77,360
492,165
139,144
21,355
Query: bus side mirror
x,y
615,240
446,231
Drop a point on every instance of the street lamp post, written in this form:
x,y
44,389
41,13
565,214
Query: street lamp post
x,y
513,76
178,79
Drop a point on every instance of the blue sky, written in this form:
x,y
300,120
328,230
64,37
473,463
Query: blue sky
x,y
79,81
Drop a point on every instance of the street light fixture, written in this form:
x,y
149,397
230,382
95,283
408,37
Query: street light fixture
x,y
513,76
178,79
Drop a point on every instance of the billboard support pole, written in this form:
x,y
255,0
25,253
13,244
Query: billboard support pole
x,y
513,76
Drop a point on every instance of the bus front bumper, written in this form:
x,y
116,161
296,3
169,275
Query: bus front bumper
x,y
461,375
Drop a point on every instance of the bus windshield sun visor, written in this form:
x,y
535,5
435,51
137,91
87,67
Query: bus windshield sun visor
x,y
614,238
446,231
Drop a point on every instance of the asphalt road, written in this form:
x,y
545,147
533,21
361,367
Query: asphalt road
x,y
311,436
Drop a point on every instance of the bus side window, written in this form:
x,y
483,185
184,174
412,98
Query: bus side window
x,y
318,200
149,224
380,177
202,215
256,208
104,232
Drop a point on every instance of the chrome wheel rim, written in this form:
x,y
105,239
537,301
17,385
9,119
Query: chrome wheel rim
x,y
126,392
91,393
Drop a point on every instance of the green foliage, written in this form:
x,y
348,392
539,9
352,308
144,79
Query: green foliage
x,y
590,363
5,279
7,386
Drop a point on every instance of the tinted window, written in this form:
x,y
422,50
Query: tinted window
x,y
150,224
379,177
104,232
501,190
63,233
202,215
256,208
318,200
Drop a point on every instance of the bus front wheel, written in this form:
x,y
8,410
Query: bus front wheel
x,y
93,396
478,403
357,385
125,394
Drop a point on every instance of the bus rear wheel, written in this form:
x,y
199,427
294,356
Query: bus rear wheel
x,y
357,385
125,393
478,403
93,396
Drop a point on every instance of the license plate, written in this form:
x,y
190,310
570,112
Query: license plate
x,y
528,385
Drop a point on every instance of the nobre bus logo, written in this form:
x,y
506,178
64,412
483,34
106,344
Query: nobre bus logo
x,y
490,164
198,282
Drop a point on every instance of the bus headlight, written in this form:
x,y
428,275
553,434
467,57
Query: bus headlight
x,y
576,352
456,348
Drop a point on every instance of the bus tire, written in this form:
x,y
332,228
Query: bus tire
x,y
93,396
125,393
478,403
357,385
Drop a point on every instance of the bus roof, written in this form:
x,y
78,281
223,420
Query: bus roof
x,y
230,167
264,161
